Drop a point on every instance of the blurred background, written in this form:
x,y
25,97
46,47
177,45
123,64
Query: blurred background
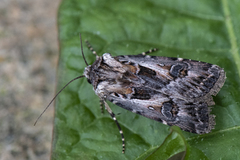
x,y
28,62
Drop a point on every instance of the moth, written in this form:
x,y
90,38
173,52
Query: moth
x,y
173,91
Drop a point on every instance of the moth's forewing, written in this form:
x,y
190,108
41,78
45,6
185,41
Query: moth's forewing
x,y
174,91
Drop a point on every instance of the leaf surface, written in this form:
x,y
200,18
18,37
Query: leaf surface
x,y
201,30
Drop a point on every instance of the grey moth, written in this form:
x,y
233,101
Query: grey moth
x,y
173,91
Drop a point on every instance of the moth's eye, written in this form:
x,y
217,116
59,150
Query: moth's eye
x,y
89,81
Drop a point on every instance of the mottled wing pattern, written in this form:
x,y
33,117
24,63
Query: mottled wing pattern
x,y
174,91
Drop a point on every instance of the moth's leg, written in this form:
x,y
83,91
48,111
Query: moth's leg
x,y
91,49
114,118
101,106
149,51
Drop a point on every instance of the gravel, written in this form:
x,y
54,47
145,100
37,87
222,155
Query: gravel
x,y
28,61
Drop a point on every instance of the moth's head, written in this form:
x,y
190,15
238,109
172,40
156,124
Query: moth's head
x,y
90,71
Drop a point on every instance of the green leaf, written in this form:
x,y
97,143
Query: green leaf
x,y
174,145
200,30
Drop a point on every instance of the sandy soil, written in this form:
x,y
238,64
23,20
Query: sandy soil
x,y
28,62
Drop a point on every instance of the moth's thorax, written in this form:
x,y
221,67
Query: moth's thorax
x,y
103,73
89,71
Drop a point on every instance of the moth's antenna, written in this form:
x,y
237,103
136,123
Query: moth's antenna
x,y
56,96
82,49
91,49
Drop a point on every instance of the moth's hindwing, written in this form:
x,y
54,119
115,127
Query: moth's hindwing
x,y
173,91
